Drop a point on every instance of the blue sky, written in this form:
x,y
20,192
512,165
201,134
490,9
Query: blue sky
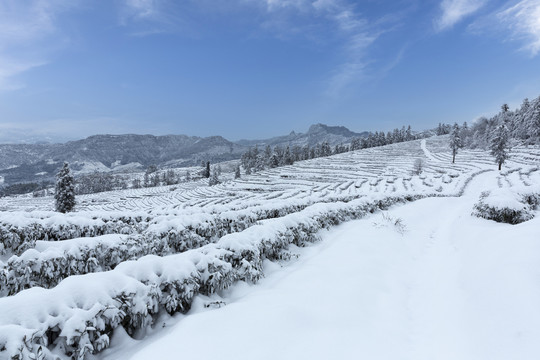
x,y
259,68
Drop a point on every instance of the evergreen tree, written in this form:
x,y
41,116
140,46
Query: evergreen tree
x,y
146,180
267,154
206,173
455,142
408,134
499,145
355,144
274,161
237,172
533,123
326,150
296,153
136,184
464,134
214,178
64,193
305,152
287,157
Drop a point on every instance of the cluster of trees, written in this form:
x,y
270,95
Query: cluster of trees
x,y
443,129
255,159
523,124
497,133
153,178
381,138
24,188
99,182
212,174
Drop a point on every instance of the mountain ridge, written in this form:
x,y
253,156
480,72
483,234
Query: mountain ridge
x,y
107,152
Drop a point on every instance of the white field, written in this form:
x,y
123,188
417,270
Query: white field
x,y
443,285
450,287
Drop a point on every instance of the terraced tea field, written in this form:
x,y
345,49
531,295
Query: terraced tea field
x,y
123,257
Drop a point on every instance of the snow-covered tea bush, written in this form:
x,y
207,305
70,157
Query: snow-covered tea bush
x,y
77,317
506,206
19,233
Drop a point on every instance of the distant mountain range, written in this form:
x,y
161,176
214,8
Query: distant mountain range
x,y
121,153
316,134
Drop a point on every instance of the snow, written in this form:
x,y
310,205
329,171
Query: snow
x,y
504,198
67,245
452,286
426,151
418,281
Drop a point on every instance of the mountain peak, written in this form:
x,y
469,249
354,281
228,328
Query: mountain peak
x,y
335,130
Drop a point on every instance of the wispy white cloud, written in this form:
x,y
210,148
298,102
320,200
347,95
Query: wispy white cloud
x,y
135,10
351,33
453,11
151,17
10,68
359,34
523,21
25,28
344,75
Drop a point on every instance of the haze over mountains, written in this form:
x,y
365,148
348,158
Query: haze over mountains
x,y
40,162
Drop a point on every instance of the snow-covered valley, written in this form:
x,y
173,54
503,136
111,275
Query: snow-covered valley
x,y
350,256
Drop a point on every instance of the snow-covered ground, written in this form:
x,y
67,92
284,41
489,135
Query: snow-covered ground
x,y
446,285
422,280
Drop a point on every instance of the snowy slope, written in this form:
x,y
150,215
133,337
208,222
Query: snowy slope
x,y
171,246
450,287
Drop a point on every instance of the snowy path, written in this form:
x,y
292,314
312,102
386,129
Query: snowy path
x,y
451,287
426,151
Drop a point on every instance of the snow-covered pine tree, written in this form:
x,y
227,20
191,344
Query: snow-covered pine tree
x,y
267,155
214,178
274,161
146,180
287,157
464,133
533,123
326,150
355,144
64,193
408,134
455,141
237,172
499,145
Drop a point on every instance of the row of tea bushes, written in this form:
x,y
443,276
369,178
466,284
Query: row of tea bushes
x,y
77,317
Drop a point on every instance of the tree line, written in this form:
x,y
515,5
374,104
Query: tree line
x,y
256,159
496,134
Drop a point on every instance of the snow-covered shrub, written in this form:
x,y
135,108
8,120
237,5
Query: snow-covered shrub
x,y
418,166
396,224
532,199
78,316
20,233
503,205
86,255
71,257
